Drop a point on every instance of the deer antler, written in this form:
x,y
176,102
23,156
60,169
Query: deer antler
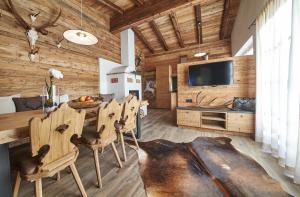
x,y
42,29
18,17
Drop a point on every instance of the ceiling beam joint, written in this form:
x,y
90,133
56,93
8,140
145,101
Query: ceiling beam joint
x,y
198,19
112,6
149,11
139,3
159,35
225,29
142,38
177,30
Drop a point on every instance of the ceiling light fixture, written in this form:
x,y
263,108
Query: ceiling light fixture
x,y
79,36
200,54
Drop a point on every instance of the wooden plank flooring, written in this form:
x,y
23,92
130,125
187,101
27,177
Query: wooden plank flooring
x,y
127,182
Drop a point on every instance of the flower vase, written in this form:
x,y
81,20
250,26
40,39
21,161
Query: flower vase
x,y
51,99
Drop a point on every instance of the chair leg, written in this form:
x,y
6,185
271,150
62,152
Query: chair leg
x,y
17,185
78,180
58,176
97,166
123,146
116,154
136,143
38,188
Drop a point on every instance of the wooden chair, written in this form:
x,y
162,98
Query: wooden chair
x,y
105,133
128,120
52,148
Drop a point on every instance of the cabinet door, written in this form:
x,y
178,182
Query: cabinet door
x,y
188,118
241,122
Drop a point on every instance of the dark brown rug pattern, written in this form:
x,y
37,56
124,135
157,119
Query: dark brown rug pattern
x,y
205,167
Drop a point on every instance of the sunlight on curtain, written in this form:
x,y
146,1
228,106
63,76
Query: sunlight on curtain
x,y
278,83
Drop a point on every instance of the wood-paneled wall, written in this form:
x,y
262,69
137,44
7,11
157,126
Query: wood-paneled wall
x,y
79,64
217,49
244,82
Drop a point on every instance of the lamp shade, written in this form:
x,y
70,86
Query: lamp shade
x,y
80,37
200,54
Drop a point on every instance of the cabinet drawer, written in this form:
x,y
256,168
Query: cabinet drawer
x,y
241,122
188,118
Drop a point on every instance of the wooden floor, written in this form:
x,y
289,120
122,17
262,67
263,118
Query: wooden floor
x,y
127,181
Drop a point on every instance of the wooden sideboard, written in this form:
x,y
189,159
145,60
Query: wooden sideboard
x,y
240,122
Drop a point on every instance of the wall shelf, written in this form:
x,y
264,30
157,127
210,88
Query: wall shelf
x,y
213,118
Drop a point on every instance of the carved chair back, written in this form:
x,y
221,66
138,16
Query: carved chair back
x,y
108,115
51,136
131,109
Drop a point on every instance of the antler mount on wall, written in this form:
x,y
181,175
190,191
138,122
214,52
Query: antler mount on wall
x,y
31,30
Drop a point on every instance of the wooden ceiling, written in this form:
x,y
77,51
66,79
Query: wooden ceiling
x,y
166,25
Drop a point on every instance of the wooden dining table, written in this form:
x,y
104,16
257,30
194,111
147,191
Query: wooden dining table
x,y
14,127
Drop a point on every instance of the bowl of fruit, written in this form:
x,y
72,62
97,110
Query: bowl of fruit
x,y
85,102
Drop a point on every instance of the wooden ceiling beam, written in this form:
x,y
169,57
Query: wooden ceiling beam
x,y
228,17
198,18
112,6
139,3
159,35
149,11
176,27
142,38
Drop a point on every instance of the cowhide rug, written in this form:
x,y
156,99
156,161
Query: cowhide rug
x,y
205,167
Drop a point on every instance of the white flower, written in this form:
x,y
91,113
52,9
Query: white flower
x,y
56,73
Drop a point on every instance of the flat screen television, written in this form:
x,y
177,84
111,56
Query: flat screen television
x,y
211,74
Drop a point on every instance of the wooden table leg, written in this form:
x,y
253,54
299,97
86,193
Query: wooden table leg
x,y
5,179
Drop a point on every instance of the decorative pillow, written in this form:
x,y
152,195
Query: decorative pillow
x,y
244,104
106,97
7,105
28,103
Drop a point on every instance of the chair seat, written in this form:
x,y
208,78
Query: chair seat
x,y
22,160
118,126
123,129
90,138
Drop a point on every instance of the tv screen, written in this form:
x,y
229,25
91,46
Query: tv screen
x,y
211,74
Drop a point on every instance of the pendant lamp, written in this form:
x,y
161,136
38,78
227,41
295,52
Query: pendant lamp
x,y
200,53
80,36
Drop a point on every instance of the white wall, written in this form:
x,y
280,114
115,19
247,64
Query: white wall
x,y
105,67
247,13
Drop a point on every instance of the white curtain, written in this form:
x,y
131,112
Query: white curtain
x,y
278,83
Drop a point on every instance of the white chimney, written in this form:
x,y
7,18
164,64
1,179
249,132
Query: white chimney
x,y
118,78
128,49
